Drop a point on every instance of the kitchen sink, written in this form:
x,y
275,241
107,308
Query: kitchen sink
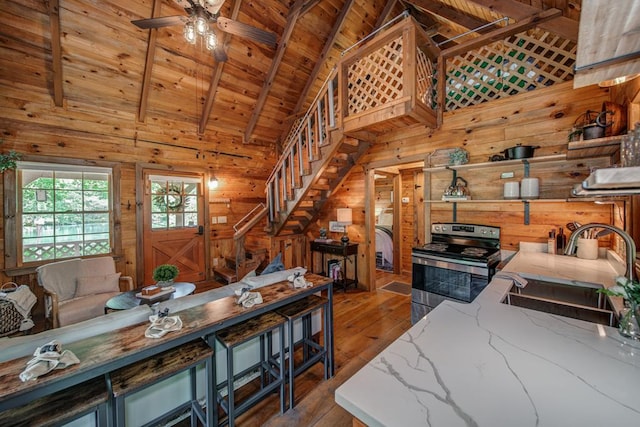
x,y
578,300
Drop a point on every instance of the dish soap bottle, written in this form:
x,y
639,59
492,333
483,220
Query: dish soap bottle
x,y
561,241
551,243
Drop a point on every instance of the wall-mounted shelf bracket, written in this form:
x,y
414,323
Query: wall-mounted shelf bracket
x,y
526,212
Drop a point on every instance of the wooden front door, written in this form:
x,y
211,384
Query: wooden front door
x,y
173,225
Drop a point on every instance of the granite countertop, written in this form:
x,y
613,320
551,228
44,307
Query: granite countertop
x,y
489,364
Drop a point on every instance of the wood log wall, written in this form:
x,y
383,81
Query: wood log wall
x,y
543,117
32,126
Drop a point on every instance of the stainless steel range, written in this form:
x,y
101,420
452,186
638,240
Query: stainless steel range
x,y
458,263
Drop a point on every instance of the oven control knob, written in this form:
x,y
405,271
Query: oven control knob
x,y
444,228
436,228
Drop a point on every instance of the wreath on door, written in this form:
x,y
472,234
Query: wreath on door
x,y
171,198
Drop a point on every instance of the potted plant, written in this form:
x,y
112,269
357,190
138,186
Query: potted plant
x,y
165,274
8,161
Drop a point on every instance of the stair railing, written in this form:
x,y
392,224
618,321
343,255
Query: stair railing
x,y
245,224
302,146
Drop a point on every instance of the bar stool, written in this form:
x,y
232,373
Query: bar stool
x,y
140,375
272,373
62,407
312,352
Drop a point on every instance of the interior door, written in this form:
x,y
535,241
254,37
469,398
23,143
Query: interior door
x,y
173,225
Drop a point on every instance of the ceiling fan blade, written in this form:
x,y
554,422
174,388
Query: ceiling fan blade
x,y
246,31
163,21
219,54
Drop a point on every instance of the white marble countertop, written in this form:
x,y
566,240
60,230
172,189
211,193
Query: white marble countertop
x,y
489,364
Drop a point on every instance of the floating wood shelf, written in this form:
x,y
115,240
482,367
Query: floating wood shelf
x,y
599,147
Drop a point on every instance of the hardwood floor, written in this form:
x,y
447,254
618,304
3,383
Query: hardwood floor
x,y
364,324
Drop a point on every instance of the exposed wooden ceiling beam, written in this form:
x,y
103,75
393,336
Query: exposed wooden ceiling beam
x,y
56,52
217,74
308,6
564,27
386,12
500,34
335,32
448,13
292,18
148,64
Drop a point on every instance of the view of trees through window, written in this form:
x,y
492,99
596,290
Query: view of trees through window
x,y
64,213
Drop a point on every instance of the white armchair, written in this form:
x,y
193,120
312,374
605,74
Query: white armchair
x,y
77,289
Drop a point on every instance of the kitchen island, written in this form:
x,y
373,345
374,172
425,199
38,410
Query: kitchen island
x,y
490,364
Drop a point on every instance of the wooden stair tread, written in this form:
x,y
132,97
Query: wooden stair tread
x,y
226,273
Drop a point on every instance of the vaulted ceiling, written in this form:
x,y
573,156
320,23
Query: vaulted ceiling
x,y
88,52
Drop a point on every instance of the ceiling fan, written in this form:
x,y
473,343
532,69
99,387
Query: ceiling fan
x,y
200,14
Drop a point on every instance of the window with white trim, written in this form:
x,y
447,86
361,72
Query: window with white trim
x,y
63,211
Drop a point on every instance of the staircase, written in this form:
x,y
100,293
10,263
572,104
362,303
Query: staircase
x,y
316,158
385,85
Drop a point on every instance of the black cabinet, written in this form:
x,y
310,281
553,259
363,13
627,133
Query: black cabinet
x,y
344,252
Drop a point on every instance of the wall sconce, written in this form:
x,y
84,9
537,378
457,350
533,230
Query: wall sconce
x,y
345,218
213,182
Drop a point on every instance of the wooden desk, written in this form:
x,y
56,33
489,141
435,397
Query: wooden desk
x,y
107,352
342,250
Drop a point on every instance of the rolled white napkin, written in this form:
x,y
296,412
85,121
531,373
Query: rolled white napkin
x,y
47,358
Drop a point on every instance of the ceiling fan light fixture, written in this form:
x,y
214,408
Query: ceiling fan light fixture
x,y
202,26
189,32
211,40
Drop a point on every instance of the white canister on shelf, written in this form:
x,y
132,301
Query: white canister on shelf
x,y
512,190
530,188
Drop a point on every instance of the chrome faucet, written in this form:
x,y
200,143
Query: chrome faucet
x,y
630,246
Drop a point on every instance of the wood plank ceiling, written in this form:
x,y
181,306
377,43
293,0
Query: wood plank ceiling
x,y
89,52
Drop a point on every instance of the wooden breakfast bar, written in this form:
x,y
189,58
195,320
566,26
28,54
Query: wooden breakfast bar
x,y
102,354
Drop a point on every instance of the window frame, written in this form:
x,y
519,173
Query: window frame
x,y
13,261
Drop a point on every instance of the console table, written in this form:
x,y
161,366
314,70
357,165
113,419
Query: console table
x,y
127,300
342,250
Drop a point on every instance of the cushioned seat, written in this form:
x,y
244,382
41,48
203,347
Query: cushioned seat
x,y
77,289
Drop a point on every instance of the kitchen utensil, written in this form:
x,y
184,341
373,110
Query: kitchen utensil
x,y
529,188
519,152
602,233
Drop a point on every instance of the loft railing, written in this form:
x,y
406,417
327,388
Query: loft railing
x,y
302,146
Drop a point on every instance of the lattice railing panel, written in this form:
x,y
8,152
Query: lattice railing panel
x,y
376,79
424,79
521,63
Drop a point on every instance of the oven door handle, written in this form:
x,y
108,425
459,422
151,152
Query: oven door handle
x,y
459,265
